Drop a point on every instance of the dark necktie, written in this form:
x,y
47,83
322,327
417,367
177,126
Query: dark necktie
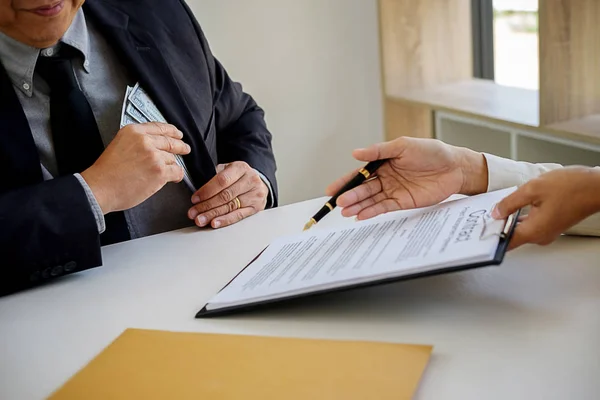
x,y
75,134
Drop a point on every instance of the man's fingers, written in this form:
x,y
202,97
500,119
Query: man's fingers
x,y
236,192
537,229
520,198
224,197
355,209
169,159
173,173
170,145
221,167
377,151
338,184
224,179
525,232
205,218
158,128
247,200
360,193
381,151
233,217
518,239
382,207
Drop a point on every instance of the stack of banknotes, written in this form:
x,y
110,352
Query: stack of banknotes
x,y
138,108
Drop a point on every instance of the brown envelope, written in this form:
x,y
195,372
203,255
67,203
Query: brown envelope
x,y
147,365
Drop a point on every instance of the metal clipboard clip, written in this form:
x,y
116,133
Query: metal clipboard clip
x,y
502,234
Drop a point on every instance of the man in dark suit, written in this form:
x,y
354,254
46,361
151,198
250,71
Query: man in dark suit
x,y
70,179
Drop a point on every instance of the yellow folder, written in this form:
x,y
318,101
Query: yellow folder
x,y
143,364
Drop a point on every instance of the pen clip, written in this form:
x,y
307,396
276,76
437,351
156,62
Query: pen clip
x,y
508,226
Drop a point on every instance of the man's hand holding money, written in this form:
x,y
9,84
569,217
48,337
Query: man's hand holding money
x,y
136,164
235,193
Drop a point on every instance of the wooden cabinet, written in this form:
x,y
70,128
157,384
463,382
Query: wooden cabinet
x,y
426,58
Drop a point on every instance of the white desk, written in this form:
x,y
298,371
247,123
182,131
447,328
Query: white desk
x,y
529,329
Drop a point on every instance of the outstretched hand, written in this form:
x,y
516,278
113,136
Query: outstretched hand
x,y
550,214
418,173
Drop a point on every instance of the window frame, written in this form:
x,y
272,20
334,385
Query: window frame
x,y
482,18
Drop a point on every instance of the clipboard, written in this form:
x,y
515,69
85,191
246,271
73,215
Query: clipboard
x,y
505,235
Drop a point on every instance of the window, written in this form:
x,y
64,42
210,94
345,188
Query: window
x,y
516,43
505,42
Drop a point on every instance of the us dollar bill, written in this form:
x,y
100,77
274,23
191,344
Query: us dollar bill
x,y
125,120
135,114
141,100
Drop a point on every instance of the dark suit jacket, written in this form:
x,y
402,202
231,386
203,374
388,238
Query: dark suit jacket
x,y
47,229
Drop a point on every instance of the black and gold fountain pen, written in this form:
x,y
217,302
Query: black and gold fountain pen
x,y
364,174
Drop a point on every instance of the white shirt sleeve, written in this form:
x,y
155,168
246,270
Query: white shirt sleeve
x,y
504,173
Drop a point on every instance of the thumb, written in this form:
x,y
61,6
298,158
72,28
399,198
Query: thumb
x,y
520,198
221,167
381,151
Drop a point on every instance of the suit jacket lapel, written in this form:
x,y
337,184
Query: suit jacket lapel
x,y
139,53
19,159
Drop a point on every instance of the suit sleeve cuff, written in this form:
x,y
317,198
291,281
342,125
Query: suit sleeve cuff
x,y
98,215
270,197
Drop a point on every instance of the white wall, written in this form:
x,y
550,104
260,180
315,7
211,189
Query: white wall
x,y
313,65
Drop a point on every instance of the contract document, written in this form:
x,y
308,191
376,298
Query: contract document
x,y
450,236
